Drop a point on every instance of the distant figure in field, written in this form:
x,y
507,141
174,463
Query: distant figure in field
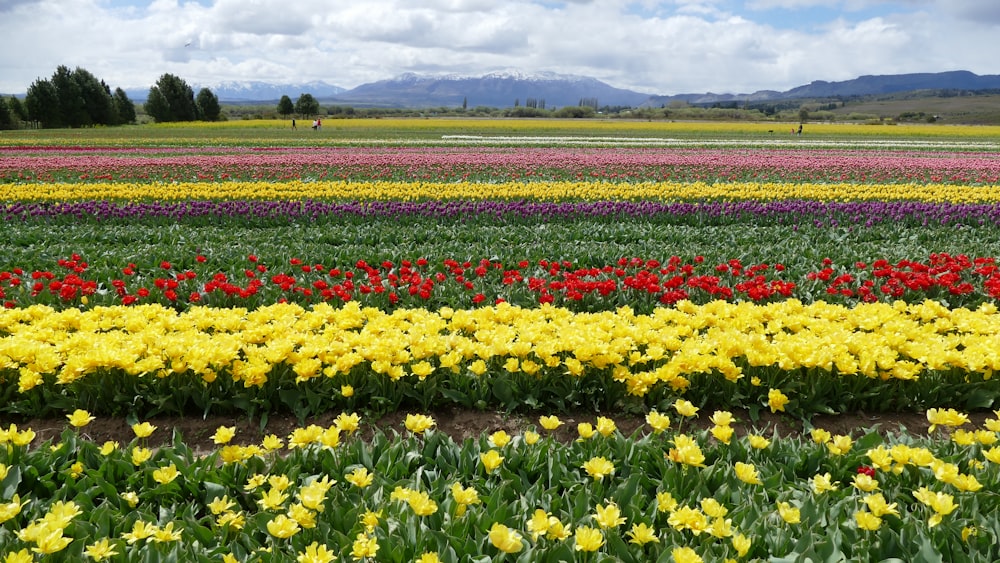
x,y
315,124
319,123
800,128
293,124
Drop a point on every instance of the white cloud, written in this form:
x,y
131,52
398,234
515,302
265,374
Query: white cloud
x,y
662,47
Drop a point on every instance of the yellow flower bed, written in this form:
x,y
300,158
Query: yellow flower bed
x,y
540,190
524,126
874,340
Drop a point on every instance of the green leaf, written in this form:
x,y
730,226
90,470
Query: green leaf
x,y
503,391
455,396
927,553
9,484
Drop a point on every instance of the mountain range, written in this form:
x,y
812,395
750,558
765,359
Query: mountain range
x,y
551,90
500,89
867,85
253,91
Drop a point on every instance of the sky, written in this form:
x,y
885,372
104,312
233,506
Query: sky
x,y
655,47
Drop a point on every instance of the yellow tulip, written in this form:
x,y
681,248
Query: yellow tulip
x,y
788,513
418,423
80,418
641,534
316,553
588,539
685,408
609,516
747,473
491,460
505,539
599,467
685,555
776,400
549,422
143,430
658,422
282,526
867,520
360,477
224,434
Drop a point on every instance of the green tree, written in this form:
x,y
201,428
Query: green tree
x,y
171,99
306,105
157,106
69,99
575,112
17,109
6,117
72,107
124,107
208,103
285,106
96,95
42,102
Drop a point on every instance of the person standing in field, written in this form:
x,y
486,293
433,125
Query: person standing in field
x,y
293,124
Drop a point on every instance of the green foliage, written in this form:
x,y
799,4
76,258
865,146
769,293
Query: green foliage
x,y
124,107
72,107
576,112
171,99
208,105
17,109
42,101
306,105
98,104
157,106
701,507
7,120
74,99
285,106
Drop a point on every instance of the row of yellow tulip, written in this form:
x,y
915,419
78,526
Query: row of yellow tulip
x,y
874,340
288,498
526,126
536,190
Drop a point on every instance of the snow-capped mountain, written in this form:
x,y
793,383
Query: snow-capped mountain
x,y
496,89
247,91
240,91
550,90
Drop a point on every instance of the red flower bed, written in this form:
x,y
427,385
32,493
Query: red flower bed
x,y
636,282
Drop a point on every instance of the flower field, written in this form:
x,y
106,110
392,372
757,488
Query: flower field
x,y
699,279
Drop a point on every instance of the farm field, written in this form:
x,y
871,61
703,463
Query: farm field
x,y
488,340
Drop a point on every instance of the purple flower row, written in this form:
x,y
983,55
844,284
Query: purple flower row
x,y
786,211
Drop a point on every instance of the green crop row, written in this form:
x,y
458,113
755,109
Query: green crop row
x,y
585,242
664,493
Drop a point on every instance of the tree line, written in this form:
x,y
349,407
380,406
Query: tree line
x,y
71,98
171,99
306,104
76,98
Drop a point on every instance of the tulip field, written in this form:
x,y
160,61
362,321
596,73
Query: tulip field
x,y
699,278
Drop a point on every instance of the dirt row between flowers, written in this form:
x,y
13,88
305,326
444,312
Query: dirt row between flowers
x,y
461,424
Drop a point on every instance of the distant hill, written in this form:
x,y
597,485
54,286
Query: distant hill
x,y
862,86
891,84
499,89
505,89
243,91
